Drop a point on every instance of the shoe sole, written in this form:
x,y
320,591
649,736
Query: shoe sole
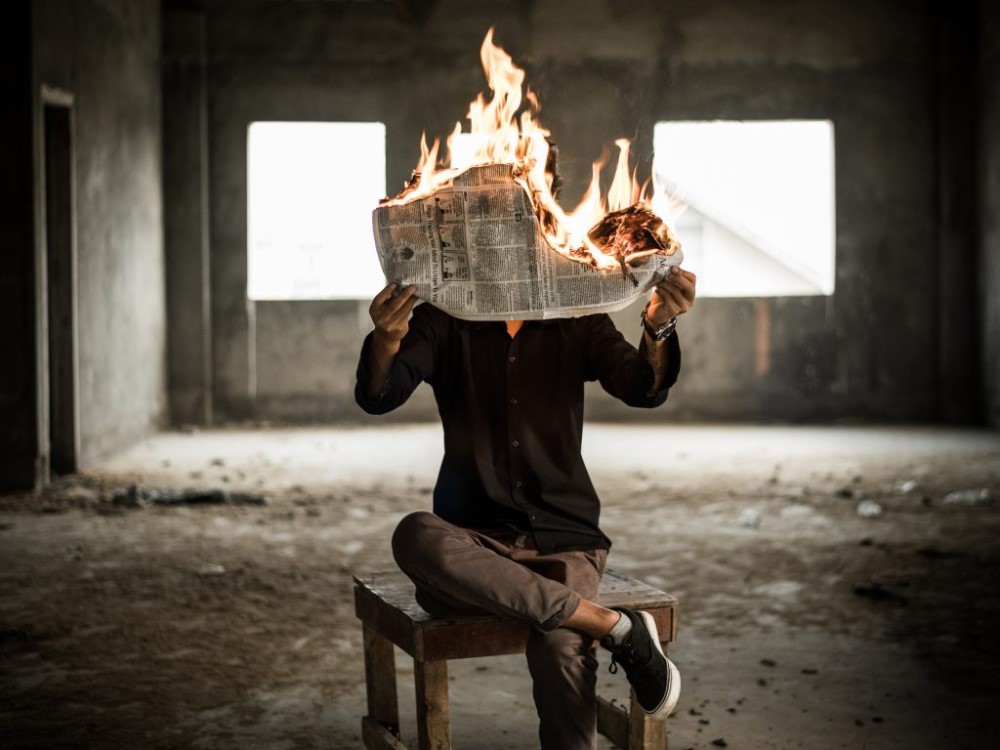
x,y
669,702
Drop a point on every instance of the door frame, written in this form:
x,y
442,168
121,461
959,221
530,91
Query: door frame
x,y
51,96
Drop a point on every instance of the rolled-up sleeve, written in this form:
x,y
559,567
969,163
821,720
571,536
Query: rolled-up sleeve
x,y
413,364
623,370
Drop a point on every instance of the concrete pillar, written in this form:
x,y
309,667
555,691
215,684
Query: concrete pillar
x,y
959,385
989,205
185,177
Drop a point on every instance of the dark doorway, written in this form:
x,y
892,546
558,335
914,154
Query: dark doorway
x,y
60,265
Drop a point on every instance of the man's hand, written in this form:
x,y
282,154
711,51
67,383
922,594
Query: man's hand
x,y
390,312
671,297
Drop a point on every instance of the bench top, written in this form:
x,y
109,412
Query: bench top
x,y
385,602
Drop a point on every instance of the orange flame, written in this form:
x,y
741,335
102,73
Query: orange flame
x,y
500,137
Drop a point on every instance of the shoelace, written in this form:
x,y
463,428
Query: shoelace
x,y
627,654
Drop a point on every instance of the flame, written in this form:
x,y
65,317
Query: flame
x,y
499,136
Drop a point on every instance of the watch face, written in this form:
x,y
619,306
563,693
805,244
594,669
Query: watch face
x,y
666,329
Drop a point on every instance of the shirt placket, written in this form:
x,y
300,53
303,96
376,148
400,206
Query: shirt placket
x,y
515,428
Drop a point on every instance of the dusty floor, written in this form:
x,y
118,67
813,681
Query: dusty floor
x,y
231,626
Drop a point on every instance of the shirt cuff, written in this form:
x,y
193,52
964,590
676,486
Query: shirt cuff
x,y
370,405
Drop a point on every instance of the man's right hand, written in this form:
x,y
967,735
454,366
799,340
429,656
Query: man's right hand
x,y
390,312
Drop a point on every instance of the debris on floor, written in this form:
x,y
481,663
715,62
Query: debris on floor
x,y
750,518
878,592
135,496
869,509
968,497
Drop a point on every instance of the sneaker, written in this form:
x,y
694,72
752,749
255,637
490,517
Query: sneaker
x,y
655,679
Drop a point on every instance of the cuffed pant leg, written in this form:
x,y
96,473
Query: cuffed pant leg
x,y
564,684
456,565
562,662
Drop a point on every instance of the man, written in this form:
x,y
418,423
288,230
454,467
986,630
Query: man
x,y
515,524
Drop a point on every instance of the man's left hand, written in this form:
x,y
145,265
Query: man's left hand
x,y
672,297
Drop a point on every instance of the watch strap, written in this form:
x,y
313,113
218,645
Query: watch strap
x,y
663,332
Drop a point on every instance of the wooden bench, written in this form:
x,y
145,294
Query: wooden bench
x,y
385,604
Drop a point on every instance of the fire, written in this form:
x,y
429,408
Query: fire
x,y
588,233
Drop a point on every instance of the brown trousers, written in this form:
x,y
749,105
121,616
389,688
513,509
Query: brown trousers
x,y
457,569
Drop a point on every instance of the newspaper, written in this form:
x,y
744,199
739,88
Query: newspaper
x,y
475,251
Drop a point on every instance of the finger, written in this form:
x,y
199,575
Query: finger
x,y
665,287
662,291
684,285
385,294
675,301
399,300
403,313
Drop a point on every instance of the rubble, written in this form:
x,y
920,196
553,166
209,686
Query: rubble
x,y
968,497
135,496
869,509
211,569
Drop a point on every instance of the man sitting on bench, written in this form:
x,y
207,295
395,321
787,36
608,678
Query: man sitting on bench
x,y
515,524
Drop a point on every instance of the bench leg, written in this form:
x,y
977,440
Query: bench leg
x,y
645,733
433,716
380,681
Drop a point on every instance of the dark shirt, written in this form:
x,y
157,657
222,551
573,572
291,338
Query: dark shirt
x,y
512,412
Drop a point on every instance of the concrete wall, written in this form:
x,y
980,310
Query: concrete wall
x,y
989,182
107,54
872,351
19,436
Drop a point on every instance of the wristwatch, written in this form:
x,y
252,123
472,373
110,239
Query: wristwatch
x,y
663,332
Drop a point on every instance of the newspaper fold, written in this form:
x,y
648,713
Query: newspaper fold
x,y
475,251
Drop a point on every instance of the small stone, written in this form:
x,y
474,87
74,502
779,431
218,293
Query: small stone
x,y
217,462
720,742
869,509
768,662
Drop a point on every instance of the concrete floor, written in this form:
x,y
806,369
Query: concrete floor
x,y
231,626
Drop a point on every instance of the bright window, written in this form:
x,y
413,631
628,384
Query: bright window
x,y
760,204
311,190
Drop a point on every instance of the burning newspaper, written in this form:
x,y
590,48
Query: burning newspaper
x,y
475,250
487,240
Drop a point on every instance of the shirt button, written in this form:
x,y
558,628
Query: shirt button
x,y
515,443
511,358
513,401
518,484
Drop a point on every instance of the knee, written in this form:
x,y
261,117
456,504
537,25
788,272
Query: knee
x,y
409,540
